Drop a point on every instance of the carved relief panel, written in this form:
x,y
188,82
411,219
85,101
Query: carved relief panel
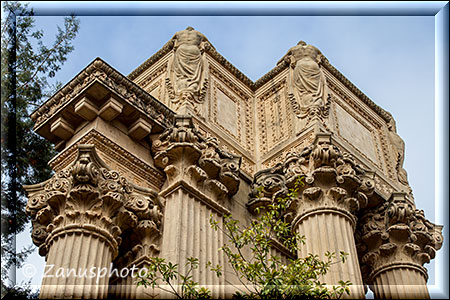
x,y
274,117
362,132
231,109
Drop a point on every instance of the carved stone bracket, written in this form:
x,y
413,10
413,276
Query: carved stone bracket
x,y
332,180
88,197
396,235
185,155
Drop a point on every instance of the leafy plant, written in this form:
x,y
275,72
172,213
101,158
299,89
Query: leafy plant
x,y
161,273
263,274
27,65
249,252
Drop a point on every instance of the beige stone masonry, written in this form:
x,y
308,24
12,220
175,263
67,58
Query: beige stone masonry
x,y
78,217
335,189
395,241
146,160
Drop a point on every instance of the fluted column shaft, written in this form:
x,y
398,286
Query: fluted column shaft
x,y
201,179
78,216
332,230
78,265
400,281
187,233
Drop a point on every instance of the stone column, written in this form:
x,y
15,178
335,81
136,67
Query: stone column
x,y
138,247
201,179
396,241
78,216
334,189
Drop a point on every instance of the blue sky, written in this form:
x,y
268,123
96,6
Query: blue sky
x,y
390,58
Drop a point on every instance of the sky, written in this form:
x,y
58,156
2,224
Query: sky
x,y
390,58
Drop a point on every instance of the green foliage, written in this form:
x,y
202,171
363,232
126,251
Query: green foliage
x,y
27,64
249,253
20,292
264,275
161,273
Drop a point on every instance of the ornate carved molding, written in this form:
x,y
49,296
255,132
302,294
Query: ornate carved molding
x,y
149,62
396,235
186,155
100,71
333,180
116,153
87,198
253,86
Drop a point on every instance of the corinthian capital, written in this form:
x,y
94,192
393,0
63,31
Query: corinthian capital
x,y
185,155
331,180
395,234
86,197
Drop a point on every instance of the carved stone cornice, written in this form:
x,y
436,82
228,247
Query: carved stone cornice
x,y
149,62
103,73
184,154
88,198
396,235
332,181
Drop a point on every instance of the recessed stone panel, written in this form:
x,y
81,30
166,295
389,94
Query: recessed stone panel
x,y
226,112
356,133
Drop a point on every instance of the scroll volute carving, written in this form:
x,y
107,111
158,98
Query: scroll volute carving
x,y
184,154
343,183
143,240
396,232
178,147
85,195
330,179
267,185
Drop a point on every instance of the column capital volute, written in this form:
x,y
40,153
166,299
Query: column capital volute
x,y
186,155
331,179
395,233
86,196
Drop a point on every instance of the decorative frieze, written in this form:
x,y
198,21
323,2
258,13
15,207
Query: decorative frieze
x,y
136,170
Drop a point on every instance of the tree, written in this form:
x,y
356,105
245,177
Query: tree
x,y
248,250
27,65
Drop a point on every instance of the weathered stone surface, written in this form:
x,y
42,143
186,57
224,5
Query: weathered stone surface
x,y
216,143
395,241
84,208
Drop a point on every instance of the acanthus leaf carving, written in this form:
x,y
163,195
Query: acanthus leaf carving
x,y
400,233
85,196
185,154
331,180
